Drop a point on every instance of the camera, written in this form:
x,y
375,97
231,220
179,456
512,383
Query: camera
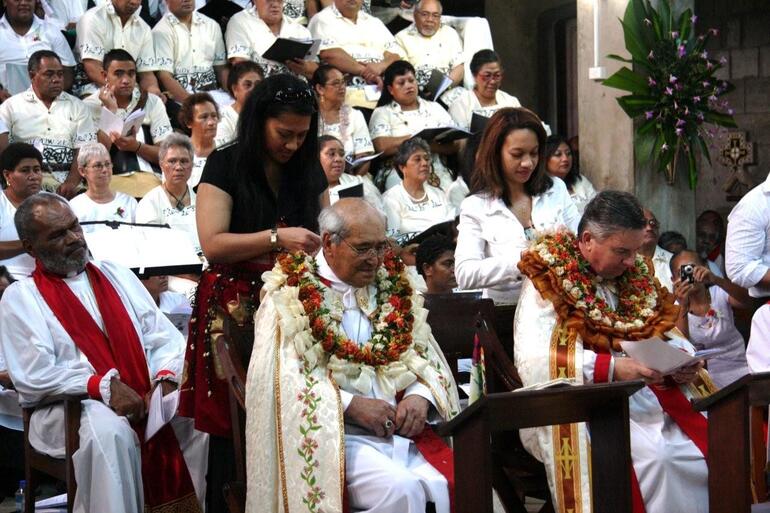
x,y
686,272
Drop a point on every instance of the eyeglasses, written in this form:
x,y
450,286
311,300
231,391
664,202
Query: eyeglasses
x,y
431,15
652,223
369,251
100,166
491,76
335,83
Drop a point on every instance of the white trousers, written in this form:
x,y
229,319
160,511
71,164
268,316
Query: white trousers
x,y
108,467
389,475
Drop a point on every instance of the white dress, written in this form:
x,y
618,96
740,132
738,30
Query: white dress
x,y
21,265
491,239
121,208
405,215
155,207
717,330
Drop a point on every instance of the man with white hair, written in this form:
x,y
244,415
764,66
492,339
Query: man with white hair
x,y
77,327
343,377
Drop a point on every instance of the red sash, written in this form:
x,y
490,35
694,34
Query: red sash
x,y
167,483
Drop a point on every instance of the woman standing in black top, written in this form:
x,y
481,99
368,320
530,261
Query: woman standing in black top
x,y
258,195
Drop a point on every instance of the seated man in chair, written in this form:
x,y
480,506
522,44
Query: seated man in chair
x,y
584,295
343,377
77,327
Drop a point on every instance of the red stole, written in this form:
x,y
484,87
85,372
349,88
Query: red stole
x,y
167,483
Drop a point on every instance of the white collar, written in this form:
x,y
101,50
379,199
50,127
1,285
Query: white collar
x,y
352,298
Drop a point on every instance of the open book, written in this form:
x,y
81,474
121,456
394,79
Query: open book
x,y
442,134
659,355
354,163
285,49
438,82
110,122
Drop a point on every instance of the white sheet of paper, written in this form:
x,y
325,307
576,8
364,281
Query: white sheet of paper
x,y
372,92
110,122
658,355
312,54
361,160
52,502
162,410
133,121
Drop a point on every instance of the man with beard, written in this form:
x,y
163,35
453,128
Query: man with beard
x,y
78,327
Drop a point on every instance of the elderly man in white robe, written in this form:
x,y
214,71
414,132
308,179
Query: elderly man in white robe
x,y
77,327
343,378
582,297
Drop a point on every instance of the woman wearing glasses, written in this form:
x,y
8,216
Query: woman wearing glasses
x,y
339,120
98,202
258,196
485,98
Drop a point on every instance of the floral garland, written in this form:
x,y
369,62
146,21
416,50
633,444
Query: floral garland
x,y
393,319
561,273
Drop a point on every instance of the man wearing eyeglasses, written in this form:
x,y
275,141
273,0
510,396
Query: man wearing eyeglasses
x,y
650,250
343,379
428,44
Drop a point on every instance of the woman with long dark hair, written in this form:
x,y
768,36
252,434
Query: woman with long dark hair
x,y
257,196
561,163
512,197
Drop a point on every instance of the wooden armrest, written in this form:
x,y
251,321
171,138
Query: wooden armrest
x,y
58,398
759,389
723,394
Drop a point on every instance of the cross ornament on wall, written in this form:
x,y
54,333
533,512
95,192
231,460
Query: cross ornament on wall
x,y
736,154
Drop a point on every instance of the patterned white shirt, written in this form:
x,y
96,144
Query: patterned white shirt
x,y
351,130
467,104
406,215
442,51
59,131
189,54
248,37
227,129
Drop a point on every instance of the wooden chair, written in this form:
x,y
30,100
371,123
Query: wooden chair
x,y
36,463
454,321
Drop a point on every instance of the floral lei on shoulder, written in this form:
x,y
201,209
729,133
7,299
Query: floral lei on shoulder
x,y
393,319
561,274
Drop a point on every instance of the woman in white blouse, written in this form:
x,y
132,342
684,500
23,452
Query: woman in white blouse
x,y
200,114
173,202
339,120
512,198
414,205
241,79
331,154
98,202
401,114
485,98
560,163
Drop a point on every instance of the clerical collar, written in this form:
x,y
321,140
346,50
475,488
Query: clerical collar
x,y
352,297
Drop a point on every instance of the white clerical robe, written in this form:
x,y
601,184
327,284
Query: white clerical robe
x,y
671,470
43,360
383,475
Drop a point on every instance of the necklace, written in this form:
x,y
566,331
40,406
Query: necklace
x,y
417,200
179,201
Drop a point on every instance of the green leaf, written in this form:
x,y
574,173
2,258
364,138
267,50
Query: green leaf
x,y
634,16
704,148
664,10
634,45
619,58
720,119
692,168
647,127
628,80
644,145
685,24
657,24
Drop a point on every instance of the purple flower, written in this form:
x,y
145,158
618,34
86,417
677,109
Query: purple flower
x,y
709,65
679,131
723,60
714,32
675,34
664,147
731,111
682,51
713,98
651,81
649,114
680,122
696,99
693,19
647,22
705,54
706,83
669,91
678,87
672,79
651,55
686,110
701,117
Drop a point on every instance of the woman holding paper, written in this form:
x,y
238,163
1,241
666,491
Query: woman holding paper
x,y
339,120
98,202
414,205
706,303
401,114
332,157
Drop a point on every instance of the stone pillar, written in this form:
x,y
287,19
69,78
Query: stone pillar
x,y
607,134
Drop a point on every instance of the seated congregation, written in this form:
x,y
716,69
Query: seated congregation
x,y
268,281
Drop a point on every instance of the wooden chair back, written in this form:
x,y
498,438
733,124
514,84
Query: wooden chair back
x,y
36,463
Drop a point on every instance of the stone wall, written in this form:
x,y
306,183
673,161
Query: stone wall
x,y
744,41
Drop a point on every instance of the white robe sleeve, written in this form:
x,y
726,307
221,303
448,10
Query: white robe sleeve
x,y
758,350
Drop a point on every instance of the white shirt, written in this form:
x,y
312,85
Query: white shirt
x,y
747,253
442,51
21,265
64,12
351,131
42,358
195,177
155,207
758,351
661,260
457,192
227,129
100,30
189,54
15,50
121,208
406,215
491,240
248,37
391,121
154,116
59,131
467,104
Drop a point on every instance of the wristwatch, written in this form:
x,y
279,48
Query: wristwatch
x,y
274,239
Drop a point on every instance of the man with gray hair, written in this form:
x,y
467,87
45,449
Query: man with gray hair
x,y
343,378
77,327
583,296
